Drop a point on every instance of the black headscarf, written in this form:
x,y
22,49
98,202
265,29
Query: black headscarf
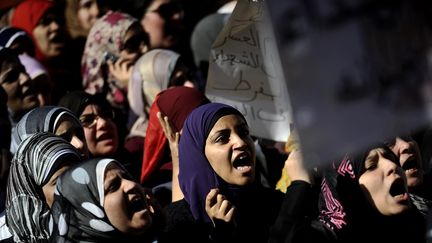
x,y
76,101
344,208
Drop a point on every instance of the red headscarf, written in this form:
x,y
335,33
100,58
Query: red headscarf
x,y
27,16
176,103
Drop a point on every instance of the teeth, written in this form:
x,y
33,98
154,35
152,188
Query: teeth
x,y
136,199
243,167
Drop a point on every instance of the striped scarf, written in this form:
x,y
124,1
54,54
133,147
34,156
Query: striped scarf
x,y
36,159
40,119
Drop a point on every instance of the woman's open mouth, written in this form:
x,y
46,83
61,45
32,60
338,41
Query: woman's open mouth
x,y
398,190
410,165
243,163
137,204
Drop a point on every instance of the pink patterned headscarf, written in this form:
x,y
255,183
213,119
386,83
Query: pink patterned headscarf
x,y
107,34
341,194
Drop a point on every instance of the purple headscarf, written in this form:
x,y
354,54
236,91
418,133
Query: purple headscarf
x,y
196,175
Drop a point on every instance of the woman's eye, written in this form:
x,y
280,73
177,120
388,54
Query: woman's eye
x,y
371,165
87,119
87,5
222,139
11,77
244,132
113,186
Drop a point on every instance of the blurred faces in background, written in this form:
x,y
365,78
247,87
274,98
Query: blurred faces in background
x,y
163,22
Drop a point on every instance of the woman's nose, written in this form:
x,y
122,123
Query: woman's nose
x,y
129,185
101,122
389,166
54,25
402,146
24,79
78,143
239,142
94,10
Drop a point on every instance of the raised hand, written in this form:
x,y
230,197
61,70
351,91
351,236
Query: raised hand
x,y
173,141
121,70
296,168
218,207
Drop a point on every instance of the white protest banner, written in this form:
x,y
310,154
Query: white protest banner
x,y
357,71
245,72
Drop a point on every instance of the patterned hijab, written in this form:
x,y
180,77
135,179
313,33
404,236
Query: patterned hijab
x,y
40,119
27,15
107,34
344,208
78,209
37,158
176,103
150,75
196,176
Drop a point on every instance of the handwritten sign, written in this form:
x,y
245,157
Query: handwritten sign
x,y
245,72
356,71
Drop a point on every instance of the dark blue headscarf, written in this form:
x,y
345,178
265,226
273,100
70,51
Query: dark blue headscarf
x,y
12,35
196,175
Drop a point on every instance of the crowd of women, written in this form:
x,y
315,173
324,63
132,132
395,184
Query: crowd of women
x,y
107,136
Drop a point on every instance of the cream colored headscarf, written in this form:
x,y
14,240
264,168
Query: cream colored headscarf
x,y
150,75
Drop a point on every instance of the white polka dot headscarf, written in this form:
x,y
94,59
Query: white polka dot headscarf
x,y
78,213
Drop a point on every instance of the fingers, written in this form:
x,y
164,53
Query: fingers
x,y
172,137
161,121
167,128
177,137
121,69
218,207
211,198
121,63
225,206
295,167
164,125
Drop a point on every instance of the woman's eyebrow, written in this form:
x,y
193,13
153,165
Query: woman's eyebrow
x,y
221,131
389,155
108,178
373,156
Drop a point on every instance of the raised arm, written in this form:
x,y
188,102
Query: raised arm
x,y
173,141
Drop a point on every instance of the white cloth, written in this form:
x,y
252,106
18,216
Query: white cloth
x,y
4,230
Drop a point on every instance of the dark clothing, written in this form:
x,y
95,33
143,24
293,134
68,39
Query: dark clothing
x,y
345,212
8,240
296,221
255,214
181,226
